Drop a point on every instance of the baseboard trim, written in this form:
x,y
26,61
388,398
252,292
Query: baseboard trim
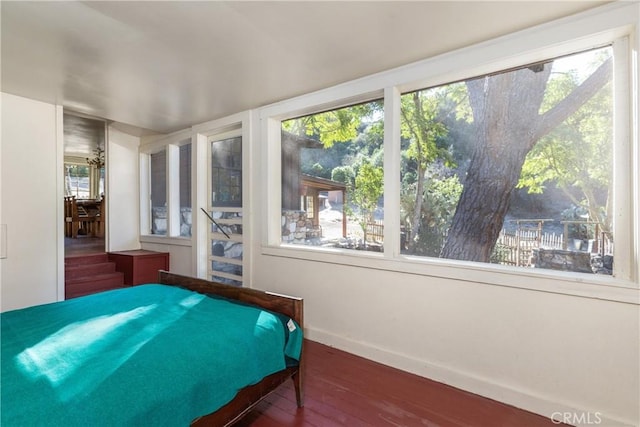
x,y
468,382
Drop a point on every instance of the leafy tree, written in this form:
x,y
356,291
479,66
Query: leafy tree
x,y
343,174
420,125
508,123
577,154
318,170
440,198
333,126
366,193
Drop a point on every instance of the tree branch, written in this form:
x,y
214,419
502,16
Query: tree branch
x,y
580,95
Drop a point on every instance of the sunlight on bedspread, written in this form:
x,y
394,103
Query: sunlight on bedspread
x,y
61,357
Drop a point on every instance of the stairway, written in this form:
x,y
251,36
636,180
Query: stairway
x,y
88,274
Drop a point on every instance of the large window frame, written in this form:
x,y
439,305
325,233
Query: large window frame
x,y
230,216
171,147
616,25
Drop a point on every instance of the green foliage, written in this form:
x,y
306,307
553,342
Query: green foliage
x,y
499,254
459,105
343,174
577,154
366,193
333,126
409,178
352,138
440,198
78,170
422,127
578,230
317,169
358,129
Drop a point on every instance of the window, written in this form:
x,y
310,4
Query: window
x,y
226,172
82,179
185,190
337,157
225,213
166,173
158,162
76,180
513,168
514,161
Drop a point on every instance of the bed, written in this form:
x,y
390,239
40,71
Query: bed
x,y
179,352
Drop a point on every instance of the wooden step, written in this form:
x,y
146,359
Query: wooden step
x,y
88,270
90,273
86,259
91,284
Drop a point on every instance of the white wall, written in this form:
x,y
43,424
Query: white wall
x,y
540,351
31,176
122,192
179,255
31,191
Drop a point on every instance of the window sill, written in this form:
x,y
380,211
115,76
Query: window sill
x,y
164,240
565,283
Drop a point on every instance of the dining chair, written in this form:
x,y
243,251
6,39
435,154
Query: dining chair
x,y
78,219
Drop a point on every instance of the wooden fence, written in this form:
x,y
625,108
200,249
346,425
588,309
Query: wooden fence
x,y
375,231
516,247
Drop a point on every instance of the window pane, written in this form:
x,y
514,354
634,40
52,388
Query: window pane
x,y
185,190
226,172
513,168
332,178
159,193
76,180
226,211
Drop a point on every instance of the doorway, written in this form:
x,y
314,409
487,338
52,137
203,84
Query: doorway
x,y
84,184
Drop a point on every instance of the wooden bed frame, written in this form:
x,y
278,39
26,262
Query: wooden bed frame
x,y
248,397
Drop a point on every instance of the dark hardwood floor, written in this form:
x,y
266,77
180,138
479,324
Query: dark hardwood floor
x,y
345,390
83,245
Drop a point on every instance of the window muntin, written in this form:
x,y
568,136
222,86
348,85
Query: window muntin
x,y
516,167
332,178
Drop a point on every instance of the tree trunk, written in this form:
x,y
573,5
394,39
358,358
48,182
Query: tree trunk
x,y
508,124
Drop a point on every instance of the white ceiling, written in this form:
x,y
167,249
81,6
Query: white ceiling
x,y
164,66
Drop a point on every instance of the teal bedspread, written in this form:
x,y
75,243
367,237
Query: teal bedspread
x,y
147,355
